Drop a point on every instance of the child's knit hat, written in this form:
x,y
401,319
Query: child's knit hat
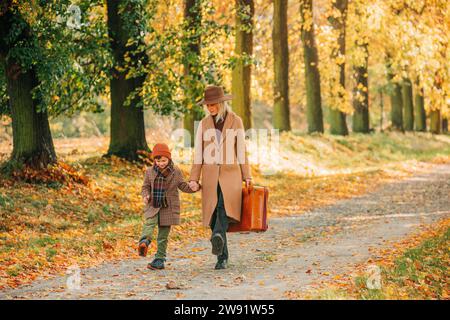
x,y
161,149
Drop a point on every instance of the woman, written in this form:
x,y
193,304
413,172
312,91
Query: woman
x,y
221,159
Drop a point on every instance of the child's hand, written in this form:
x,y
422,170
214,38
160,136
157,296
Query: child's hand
x,y
146,199
194,186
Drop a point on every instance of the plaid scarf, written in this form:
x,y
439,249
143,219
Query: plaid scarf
x,y
160,185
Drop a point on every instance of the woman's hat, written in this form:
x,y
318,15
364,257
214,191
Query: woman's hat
x,y
161,149
215,94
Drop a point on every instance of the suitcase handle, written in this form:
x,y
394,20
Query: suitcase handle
x,y
250,188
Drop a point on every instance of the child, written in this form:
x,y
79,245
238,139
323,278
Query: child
x,y
162,202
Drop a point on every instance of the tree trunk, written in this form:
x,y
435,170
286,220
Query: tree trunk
x,y
420,119
281,118
127,121
396,107
338,125
439,79
395,93
361,100
193,87
241,75
314,114
435,121
408,107
445,125
381,110
32,139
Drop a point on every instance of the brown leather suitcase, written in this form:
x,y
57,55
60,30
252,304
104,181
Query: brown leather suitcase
x,y
254,210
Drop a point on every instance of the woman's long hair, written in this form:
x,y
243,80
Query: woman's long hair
x,y
224,107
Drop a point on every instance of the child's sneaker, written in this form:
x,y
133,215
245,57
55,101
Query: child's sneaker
x,y
143,247
156,264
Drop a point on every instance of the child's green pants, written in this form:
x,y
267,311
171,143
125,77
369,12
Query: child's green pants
x,y
163,235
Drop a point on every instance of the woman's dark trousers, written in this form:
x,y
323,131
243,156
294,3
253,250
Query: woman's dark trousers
x,y
219,223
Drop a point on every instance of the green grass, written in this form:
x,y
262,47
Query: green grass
x,y
43,241
345,143
359,150
92,217
50,253
14,270
6,201
107,210
423,269
420,273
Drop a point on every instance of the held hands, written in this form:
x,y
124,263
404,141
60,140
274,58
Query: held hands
x,y
194,185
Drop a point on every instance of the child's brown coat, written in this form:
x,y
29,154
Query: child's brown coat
x,y
170,215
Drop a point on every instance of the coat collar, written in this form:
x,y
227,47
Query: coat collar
x,y
229,120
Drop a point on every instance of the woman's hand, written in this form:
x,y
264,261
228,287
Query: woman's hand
x,y
146,199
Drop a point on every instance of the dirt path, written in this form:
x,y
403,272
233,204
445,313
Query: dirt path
x,y
292,255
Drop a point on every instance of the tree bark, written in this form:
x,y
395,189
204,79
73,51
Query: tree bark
x,y
396,107
420,117
281,118
127,121
338,124
193,19
445,125
241,75
314,115
32,139
395,93
361,99
408,107
435,121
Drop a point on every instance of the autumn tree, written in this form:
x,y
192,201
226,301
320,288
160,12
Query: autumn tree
x,y
312,77
62,62
280,46
438,96
361,121
168,58
360,71
125,28
338,124
422,53
32,140
241,74
52,64
193,86
438,92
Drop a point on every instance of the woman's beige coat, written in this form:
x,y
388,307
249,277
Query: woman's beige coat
x,y
224,162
